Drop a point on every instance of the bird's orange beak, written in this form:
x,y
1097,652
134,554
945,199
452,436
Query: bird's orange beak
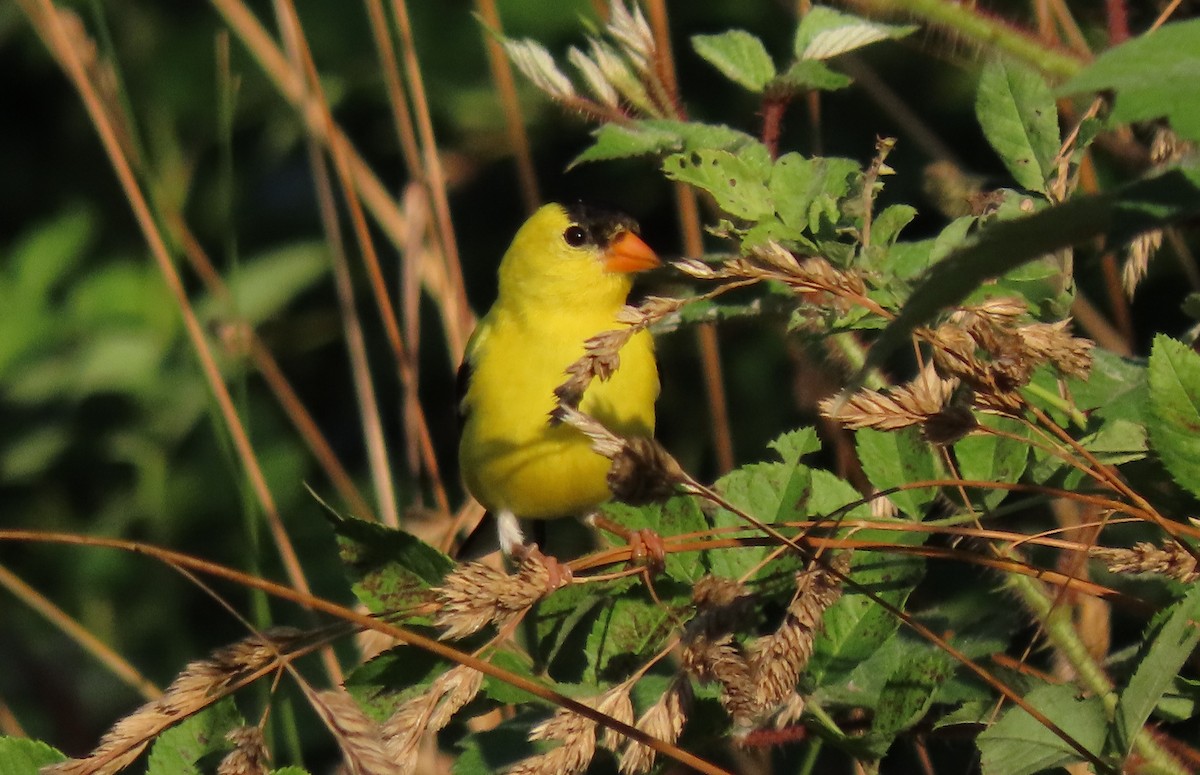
x,y
627,253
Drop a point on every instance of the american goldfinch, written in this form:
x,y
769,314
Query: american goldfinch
x,y
563,279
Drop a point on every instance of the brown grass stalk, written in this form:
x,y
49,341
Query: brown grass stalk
x,y
48,24
506,87
115,663
405,636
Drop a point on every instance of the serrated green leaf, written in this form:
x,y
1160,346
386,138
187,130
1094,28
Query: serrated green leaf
x,y
798,183
770,492
629,629
856,626
908,695
1018,744
177,750
658,137
795,444
1168,646
810,74
1002,247
1017,112
391,570
987,457
825,33
895,458
22,756
886,226
831,494
1150,74
290,770
1116,388
564,617
387,680
1174,422
503,692
738,182
740,56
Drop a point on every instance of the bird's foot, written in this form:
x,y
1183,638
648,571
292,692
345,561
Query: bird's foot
x,y
646,546
558,573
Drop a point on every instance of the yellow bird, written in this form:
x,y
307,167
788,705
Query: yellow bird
x,y
563,279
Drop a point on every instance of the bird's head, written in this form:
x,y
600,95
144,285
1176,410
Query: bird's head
x,y
575,253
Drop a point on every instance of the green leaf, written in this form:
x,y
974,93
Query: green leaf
x,y
1150,74
46,254
391,678
740,56
1174,422
738,182
989,458
677,516
631,628
391,570
896,458
825,33
1018,744
263,286
177,750
886,226
21,756
770,492
658,137
1168,647
855,627
492,751
291,770
908,694
1001,247
798,183
806,74
1017,112
1116,388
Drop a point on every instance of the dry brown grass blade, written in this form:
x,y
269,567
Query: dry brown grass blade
x,y
115,663
405,636
47,22
502,76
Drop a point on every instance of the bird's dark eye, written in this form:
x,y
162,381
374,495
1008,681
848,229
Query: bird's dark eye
x,y
575,236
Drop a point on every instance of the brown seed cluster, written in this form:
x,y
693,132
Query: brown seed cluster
x,y
757,679
1170,560
249,755
428,713
922,402
199,685
664,721
474,595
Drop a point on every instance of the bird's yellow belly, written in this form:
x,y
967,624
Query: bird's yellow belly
x,y
512,459
557,474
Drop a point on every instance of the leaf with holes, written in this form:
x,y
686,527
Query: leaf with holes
x,y
738,182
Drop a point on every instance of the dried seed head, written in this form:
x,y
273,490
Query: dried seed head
x,y
578,737
615,703
474,595
359,738
1170,560
949,425
249,755
664,721
618,73
777,660
1051,342
910,404
199,685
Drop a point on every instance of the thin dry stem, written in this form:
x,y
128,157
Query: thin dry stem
x,y
61,46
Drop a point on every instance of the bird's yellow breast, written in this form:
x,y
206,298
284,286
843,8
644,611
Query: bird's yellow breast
x,y
511,457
